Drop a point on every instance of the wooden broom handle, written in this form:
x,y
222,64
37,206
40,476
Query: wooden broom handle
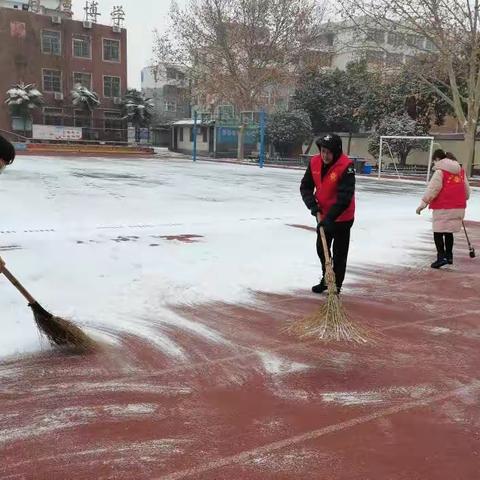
x,y
326,251
11,278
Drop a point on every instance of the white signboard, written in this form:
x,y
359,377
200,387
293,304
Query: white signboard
x,y
50,132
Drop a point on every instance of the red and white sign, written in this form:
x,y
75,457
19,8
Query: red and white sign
x,y
18,30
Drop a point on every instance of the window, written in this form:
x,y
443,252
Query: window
x,y
226,112
191,134
84,79
170,90
180,131
82,46
395,39
111,87
53,116
52,81
171,74
113,120
111,50
394,59
22,124
328,39
82,119
51,42
429,45
375,57
205,117
170,106
204,134
247,117
377,36
415,41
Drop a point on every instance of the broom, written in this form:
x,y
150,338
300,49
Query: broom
x,y
58,331
331,321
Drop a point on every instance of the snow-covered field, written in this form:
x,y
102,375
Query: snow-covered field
x,y
95,240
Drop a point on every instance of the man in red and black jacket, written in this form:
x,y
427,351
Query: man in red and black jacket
x,y
328,191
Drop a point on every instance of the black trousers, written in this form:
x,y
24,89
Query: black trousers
x,y
444,243
339,236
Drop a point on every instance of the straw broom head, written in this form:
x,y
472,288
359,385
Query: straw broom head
x,y
61,332
331,321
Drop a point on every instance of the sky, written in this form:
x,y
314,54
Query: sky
x,y
142,17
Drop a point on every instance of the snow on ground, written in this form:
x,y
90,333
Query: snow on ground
x,y
112,243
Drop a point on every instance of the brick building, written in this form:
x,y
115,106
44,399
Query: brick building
x,y
55,52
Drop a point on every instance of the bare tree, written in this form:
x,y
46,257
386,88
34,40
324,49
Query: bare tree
x,y
236,50
444,34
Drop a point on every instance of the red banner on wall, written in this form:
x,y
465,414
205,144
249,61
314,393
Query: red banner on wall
x,y
18,29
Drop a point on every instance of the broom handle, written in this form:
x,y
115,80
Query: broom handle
x,y
11,278
466,235
326,251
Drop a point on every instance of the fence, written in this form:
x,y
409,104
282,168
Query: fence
x,y
110,127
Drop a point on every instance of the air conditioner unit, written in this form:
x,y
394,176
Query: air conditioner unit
x,y
117,100
57,20
88,25
117,29
58,95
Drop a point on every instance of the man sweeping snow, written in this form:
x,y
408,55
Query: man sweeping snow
x,y
7,153
328,191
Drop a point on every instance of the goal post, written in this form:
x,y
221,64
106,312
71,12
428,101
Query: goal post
x,y
384,141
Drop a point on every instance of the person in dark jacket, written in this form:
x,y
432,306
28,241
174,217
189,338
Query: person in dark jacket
x,y
7,153
328,191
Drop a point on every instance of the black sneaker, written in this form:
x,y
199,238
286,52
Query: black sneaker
x,y
450,260
441,262
320,288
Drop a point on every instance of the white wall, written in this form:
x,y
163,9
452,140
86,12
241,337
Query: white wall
x,y
148,79
187,144
350,45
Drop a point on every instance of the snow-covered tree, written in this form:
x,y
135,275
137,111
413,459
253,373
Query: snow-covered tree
x,y
287,130
84,99
137,109
22,99
396,125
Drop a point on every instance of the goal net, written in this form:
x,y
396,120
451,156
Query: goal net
x,y
388,163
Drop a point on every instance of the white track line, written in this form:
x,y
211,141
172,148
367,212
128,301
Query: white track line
x,y
315,434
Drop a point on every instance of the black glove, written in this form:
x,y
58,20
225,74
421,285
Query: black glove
x,y
314,210
327,224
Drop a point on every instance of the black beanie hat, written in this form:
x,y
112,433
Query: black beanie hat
x,y
333,143
7,152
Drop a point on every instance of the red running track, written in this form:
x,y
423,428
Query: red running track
x,y
262,405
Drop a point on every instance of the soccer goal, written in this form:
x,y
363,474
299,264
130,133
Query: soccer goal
x,y
385,147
